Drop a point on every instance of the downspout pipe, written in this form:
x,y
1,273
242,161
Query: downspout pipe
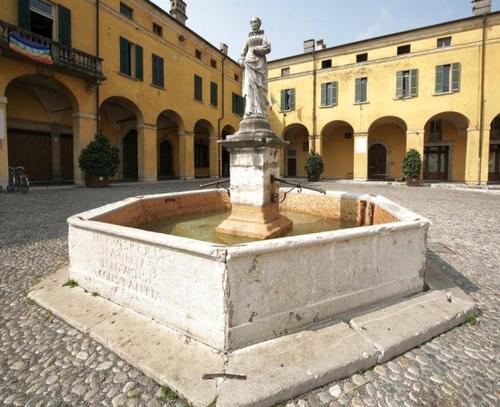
x,y
98,52
481,114
223,114
314,117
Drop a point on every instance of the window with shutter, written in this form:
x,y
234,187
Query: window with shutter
x,y
455,82
125,57
198,88
335,88
329,94
214,94
138,63
291,99
324,96
414,82
361,91
439,78
399,84
40,19
64,15
24,20
158,72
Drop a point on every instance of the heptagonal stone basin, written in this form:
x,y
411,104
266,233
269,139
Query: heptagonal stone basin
x,y
230,294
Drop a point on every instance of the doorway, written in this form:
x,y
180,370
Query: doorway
x,y
130,152
166,159
377,162
292,163
436,160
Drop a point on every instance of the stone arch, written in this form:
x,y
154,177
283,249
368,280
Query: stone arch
x,y
445,147
296,151
224,154
386,147
40,127
119,120
169,126
205,149
337,149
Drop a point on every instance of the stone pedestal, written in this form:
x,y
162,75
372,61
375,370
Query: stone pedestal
x,y
255,158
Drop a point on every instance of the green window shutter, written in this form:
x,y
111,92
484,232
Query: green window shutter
x,y
283,100
213,94
455,81
24,14
323,95
399,84
124,56
158,75
335,91
139,74
357,93
64,20
439,78
241,105
414,82
364,89
292,99
235,103
198,88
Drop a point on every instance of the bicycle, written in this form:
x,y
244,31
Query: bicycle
x,y
18,180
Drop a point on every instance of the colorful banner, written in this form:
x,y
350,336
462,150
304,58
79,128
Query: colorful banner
x,y
31,50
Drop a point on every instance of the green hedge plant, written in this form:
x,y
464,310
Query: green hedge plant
x,y
412,164
314,164
100,157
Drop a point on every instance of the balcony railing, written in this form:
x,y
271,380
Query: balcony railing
x,y
64,58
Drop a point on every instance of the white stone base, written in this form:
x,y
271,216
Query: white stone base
x,y
276,370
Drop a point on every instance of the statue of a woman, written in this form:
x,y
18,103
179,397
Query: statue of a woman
x,y
253,61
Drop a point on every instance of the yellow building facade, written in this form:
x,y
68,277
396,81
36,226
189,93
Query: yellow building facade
x,y
363,105
72,68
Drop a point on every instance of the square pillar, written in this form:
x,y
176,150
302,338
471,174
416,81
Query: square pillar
x,y
360,156
84,130
472,158
213,156
186,155
319,145
147,158
312,143
415,140
4,158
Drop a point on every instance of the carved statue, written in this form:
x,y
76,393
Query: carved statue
x,y
254,63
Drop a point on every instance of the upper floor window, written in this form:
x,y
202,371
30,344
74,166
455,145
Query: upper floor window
x,y
435,133
285,72
236,77
362,57
444,42
126,11
213,63
158,71
238,104
158,29
361,92
131,63
40,18
214,94
197,53
404,49
287,100
329,93
198,88
325,64
448,78
407,83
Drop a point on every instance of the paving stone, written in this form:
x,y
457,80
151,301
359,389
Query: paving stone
x,y
33,243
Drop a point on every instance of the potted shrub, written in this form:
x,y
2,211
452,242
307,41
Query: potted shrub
x,y
314,166
412,164
99,160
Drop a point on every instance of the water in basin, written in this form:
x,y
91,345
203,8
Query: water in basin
x,y
202,227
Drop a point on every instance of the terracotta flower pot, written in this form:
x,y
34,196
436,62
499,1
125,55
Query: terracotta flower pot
x,y
413,182
313,177
96,181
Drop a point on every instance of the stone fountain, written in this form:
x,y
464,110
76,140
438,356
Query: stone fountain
x,y
252,322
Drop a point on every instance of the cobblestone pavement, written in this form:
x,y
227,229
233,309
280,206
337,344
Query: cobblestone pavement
x,y
44,361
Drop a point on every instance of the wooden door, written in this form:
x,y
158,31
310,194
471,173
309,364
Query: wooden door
x,y
130,152
436,163
67,168
377,162
33,151
494,163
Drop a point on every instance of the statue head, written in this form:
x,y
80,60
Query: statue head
x,y
255,23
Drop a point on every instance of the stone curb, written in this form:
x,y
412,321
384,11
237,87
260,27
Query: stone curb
x,y
275,370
